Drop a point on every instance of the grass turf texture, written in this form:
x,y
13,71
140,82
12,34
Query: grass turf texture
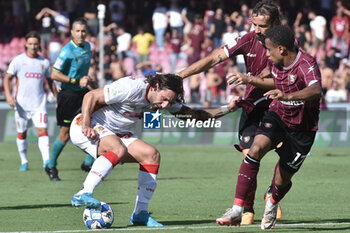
x,y
195,186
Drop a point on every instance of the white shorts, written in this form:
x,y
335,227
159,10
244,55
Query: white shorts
x,y
25,119
87,144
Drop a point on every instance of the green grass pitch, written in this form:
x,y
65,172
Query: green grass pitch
x,y
195,186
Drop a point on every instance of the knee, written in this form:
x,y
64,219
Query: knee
x,y
152,156
256,151
120,151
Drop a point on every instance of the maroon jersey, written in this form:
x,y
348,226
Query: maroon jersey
x,y
255,59
303,72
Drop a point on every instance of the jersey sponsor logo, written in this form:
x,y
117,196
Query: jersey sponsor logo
x,y
32,75
292,102
151,120
292,78
251,55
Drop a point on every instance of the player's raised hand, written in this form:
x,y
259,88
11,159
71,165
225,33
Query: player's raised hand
x,y
236,79
90,133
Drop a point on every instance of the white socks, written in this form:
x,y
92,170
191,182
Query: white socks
x,y
147,184
22,145
44,147
99,170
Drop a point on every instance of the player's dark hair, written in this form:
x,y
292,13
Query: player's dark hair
x,y
168,81
80,21
33,34
281,35
270,8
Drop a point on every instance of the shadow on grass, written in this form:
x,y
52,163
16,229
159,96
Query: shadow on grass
x,y
186,222
22,207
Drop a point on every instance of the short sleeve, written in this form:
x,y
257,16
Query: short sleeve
x,y
62,60
12,69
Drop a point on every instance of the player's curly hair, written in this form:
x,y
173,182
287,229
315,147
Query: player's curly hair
x,y
281,35
270,8
168,81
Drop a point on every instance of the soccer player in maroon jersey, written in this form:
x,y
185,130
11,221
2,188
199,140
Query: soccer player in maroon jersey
x,y
265,15
292,118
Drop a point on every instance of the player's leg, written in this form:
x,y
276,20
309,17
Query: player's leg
x,y
292,154
149,159
57,148
280,186
111,150
21,140
40,122
246,177
87,163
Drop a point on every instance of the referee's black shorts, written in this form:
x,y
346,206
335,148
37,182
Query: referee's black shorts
x,y
68,106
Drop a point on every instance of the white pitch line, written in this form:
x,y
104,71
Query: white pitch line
x,y
184,227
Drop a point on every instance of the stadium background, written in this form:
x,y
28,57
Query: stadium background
x,y
18,17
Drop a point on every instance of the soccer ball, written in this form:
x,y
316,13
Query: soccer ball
x,y
99,218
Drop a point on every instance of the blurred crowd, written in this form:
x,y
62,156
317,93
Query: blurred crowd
x,y
144,37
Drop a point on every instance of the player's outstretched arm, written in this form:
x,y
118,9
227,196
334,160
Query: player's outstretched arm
x,y
204,64
7,88
204,114
236,79
311,92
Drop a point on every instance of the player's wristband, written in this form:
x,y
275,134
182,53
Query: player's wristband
x,y
74,81
224,109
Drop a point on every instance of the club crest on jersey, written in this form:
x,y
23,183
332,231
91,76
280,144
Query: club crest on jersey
x,y
246,139
291,79
42,67
267,125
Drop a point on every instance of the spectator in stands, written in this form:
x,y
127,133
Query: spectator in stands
x,y
117,11
149,68
174,47
124,45
339,27
336,94
61,20
303,34
160,23
107,69
318,31
333,58
326,76
55,45
47,25
188,15
218,27
207,47
90,15
118,69
196,37
143,41
175,18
